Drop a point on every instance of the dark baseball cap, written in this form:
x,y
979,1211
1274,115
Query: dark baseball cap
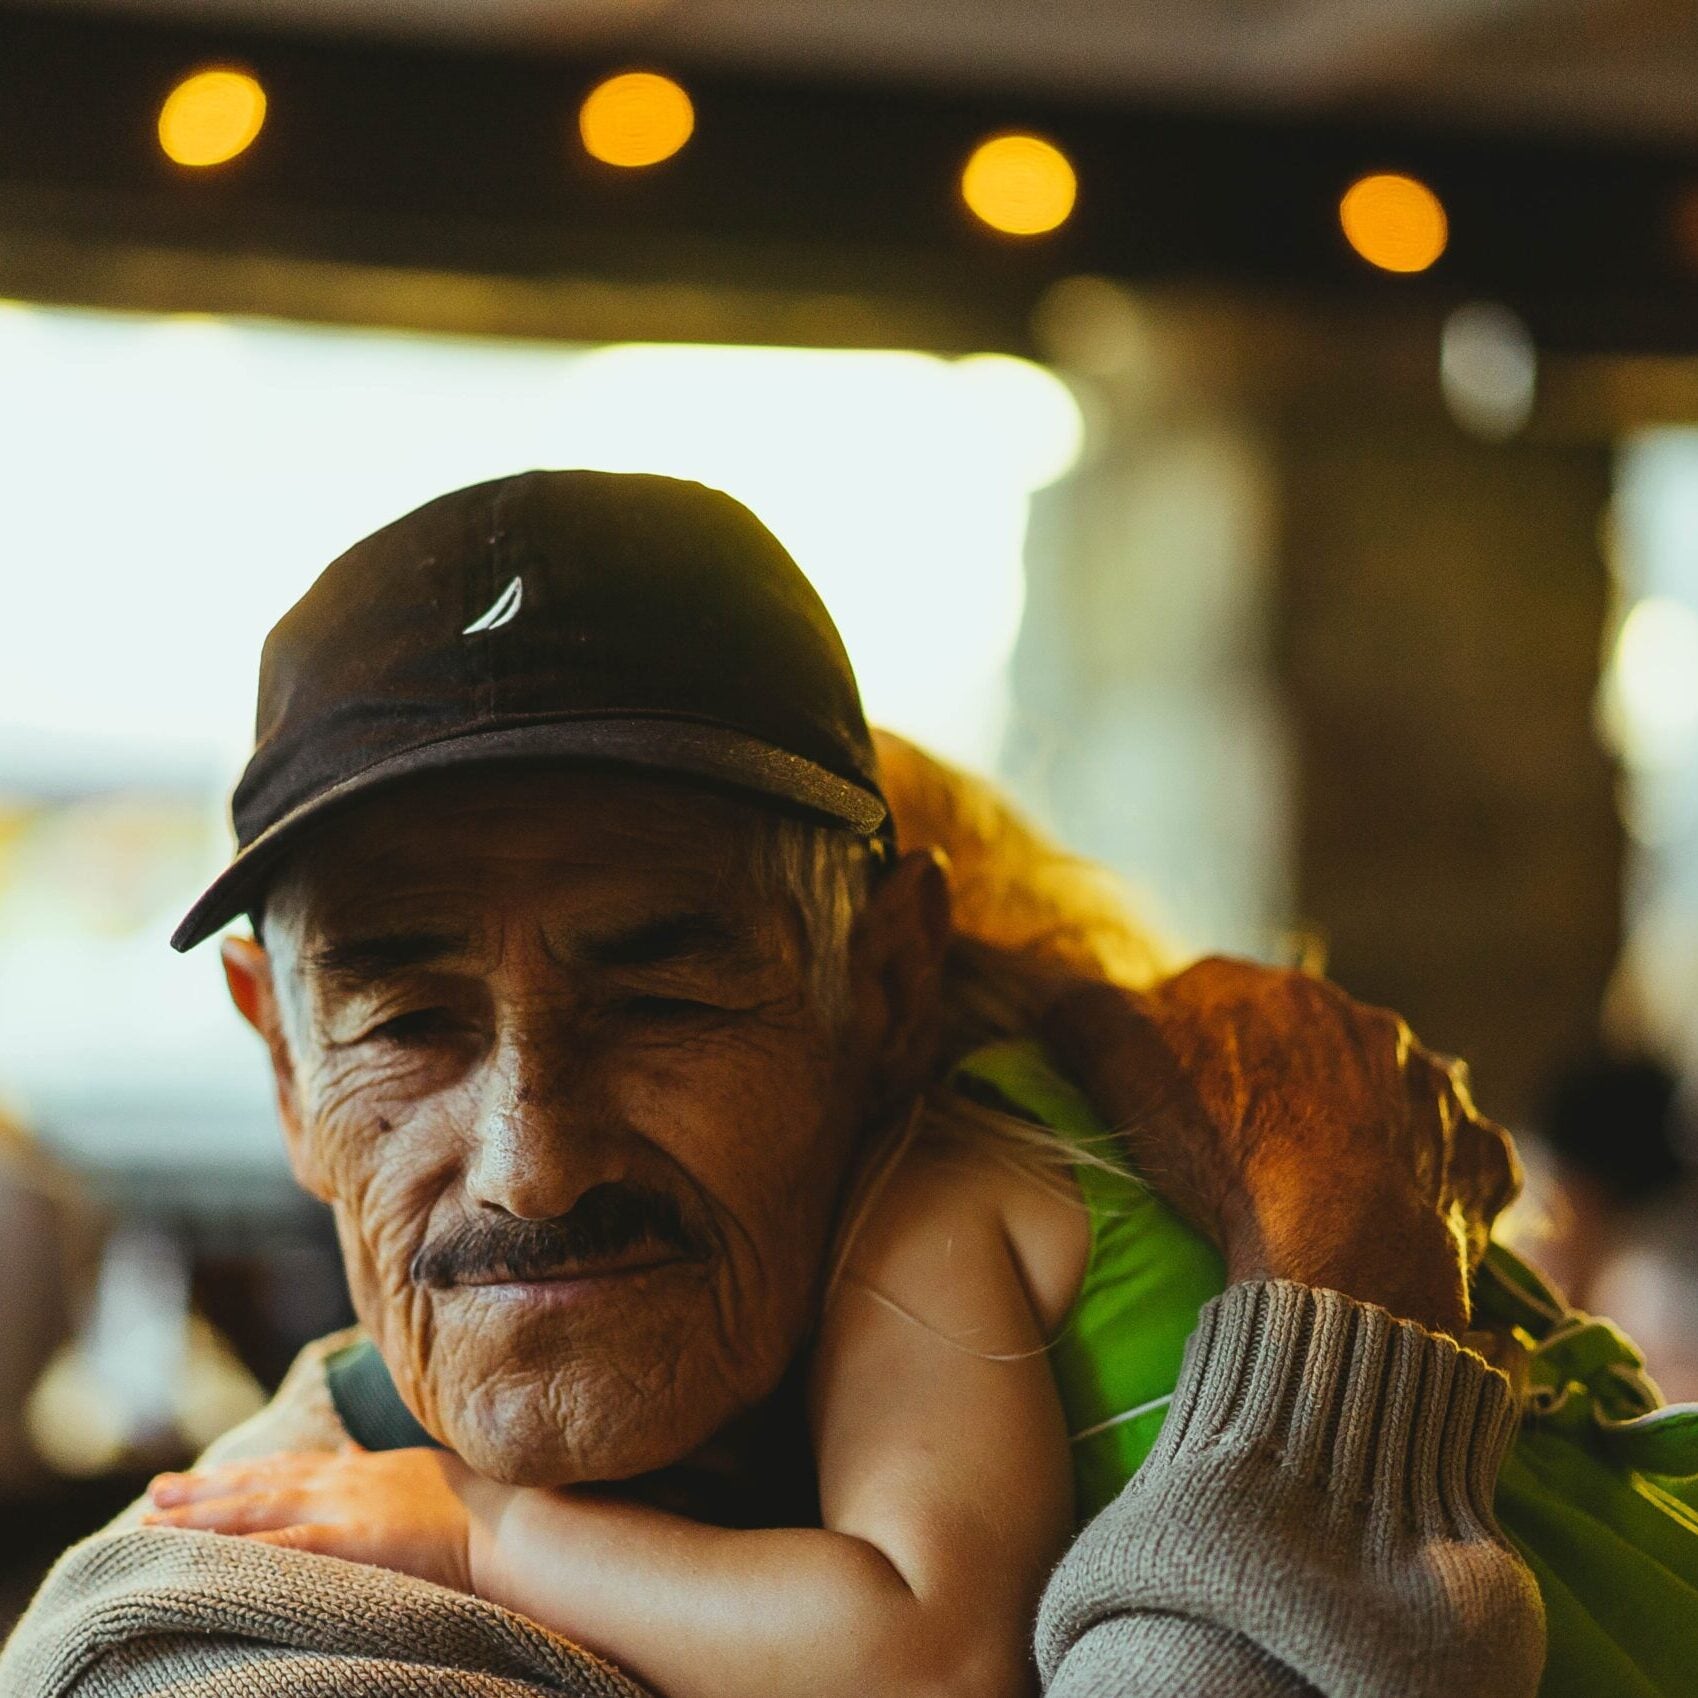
x,y
596,618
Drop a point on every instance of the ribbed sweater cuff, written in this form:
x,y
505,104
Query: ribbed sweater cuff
x,y
1323,1486
1365,1406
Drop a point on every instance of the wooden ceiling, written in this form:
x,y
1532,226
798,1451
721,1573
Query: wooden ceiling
x,y
1627,68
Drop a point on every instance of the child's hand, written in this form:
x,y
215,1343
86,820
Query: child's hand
x,y
395,1508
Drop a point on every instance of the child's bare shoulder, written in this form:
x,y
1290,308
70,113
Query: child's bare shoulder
x,y
945,1204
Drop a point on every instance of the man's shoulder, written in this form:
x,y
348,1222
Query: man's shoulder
x,y
302,1414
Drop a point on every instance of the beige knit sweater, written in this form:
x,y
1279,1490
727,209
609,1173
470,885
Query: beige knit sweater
x,y
1315,1518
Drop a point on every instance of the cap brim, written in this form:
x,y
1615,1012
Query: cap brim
x,y
689,749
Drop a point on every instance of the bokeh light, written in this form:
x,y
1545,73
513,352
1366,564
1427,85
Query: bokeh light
x,y
1019,184
1394,222
1095,326
211,116
636,118
1651,688
1488,369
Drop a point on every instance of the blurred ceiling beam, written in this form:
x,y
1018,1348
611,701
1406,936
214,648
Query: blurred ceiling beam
x,y
1560,66
1317,52
452,161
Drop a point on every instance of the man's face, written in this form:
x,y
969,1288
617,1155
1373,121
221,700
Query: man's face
x,y
559,1066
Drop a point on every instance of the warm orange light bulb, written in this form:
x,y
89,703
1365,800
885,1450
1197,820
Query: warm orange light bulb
x,y
1020,184
211,117
637,118
1394,222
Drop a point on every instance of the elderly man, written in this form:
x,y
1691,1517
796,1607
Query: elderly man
x,y
590,970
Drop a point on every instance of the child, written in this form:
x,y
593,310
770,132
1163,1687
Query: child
x,y
964,1413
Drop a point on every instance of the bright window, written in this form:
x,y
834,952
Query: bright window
x,y
170,486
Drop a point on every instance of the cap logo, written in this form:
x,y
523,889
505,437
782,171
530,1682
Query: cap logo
x,y
506,606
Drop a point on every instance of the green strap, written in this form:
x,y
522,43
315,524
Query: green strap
x,y
367,1402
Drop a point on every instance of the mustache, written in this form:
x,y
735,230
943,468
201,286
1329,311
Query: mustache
x,y
606,1222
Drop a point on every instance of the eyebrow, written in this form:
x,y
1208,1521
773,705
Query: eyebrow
x,y
674,939
684,938
364,959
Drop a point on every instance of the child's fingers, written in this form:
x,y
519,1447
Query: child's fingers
x,y
229,1480
254,1512
168,1490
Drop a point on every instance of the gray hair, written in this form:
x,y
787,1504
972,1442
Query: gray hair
x,y
826,873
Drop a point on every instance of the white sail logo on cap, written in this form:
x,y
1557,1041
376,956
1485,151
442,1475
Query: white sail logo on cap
x,y
506,606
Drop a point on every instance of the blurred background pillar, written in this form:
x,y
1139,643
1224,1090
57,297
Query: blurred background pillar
x,y
1360,644
1145,722
1459,846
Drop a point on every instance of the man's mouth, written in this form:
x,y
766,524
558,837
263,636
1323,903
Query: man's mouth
x,y
645,1260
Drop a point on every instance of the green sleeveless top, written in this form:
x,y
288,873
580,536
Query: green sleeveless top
x,y
1116,1358
1599,1492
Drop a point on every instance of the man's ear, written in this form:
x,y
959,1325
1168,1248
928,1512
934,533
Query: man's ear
x,y
897,970
253,989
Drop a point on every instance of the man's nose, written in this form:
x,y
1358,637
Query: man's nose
x,y
538,1145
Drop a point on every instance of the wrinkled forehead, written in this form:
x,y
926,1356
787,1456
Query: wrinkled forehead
x,y
473,848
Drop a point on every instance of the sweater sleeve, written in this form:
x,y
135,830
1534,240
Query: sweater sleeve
x,y
1315,1519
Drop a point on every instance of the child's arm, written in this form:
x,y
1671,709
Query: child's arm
x,y
945,1491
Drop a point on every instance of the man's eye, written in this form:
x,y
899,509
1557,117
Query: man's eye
x,y
418,1025
661,1007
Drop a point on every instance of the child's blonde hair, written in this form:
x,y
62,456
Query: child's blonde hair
x,y
1026,914
1025,909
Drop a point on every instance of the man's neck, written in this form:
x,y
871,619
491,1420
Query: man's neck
x,y
758,1471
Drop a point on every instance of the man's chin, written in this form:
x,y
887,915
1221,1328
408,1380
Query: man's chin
x,y
537,1406
507,1468
514,1436
606,1382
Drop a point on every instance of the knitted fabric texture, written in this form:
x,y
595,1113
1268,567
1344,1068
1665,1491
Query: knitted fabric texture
x,y
1319,1506
156,1613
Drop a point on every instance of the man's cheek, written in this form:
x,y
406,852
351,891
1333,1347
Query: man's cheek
x,y
731,1099
750,1141
383,1213
384,1170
